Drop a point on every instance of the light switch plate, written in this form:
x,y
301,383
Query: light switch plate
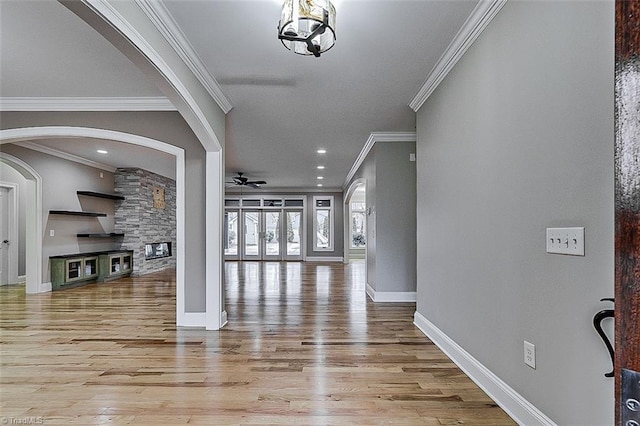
x,y
568,241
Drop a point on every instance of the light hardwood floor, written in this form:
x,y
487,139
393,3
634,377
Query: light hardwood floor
x,y
303,346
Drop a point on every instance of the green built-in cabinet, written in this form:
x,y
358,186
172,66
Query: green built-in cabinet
x,y
115,265
82,268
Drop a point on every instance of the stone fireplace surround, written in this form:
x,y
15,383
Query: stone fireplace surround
x,y
141,220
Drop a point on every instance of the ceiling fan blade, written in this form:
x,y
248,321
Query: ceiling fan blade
x,y
252,185
257,182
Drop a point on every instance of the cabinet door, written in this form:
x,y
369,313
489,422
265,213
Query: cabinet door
x,y
74,270
115,262
90,267
126,263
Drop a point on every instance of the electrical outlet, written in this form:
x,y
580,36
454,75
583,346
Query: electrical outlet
x,y
530,354
52,232
566,241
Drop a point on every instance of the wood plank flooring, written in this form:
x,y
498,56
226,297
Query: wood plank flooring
x,y
303,346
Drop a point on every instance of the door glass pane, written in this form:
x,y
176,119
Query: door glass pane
x,y
323,228
74,269
231,233
358,229
126,262
251,233
115,264
272,233
90,267
293,233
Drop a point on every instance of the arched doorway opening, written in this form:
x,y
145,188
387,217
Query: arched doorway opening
x,y
33,241
355,223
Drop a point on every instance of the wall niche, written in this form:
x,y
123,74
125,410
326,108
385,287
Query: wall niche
x,y
146,216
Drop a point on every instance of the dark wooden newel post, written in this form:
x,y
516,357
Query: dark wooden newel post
x,y
627,208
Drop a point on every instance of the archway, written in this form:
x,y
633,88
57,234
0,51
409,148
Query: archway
x,y
356,186
33,227
35,264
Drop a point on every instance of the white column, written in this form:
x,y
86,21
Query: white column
x,y
215,317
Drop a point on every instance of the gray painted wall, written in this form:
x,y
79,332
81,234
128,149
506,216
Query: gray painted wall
x,y
395,211
518,138
167,127
391,194
368,171
10,175
60,181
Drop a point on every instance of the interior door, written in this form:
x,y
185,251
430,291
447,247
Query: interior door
x,y
4,236
627,213
252,246
293,237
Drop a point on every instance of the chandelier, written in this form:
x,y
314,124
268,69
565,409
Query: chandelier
x,y
307,27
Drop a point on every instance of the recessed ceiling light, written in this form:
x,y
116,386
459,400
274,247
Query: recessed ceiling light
x,y
319,184
320,167
102,151
320,177
321,151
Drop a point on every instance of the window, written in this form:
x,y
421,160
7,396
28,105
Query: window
x,y
323,223
358,225
272,203
294,203
251,203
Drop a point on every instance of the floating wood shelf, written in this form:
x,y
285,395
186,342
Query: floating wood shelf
x,y
72,213
110,235
100,195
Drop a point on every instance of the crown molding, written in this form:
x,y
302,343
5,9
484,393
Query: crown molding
x,y
157,12
65,155
85,104
373,138
481,16
110,14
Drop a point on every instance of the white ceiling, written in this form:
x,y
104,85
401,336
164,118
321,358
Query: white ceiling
x,y
118,154
285,106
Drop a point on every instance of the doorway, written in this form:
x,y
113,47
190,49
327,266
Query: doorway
x,y
4,235
9,237
263,234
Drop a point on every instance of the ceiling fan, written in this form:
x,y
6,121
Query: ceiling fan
x,y
243,181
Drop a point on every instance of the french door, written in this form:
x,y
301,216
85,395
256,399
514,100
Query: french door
x,y
293,238
261,234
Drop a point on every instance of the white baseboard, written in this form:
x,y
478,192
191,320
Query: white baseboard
x,y
22,279
193,319
390,296
514,404
371,292
324,259
43,288
224,320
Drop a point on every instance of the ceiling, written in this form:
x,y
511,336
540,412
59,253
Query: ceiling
x,y
285,106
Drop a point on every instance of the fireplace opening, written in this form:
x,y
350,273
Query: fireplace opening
x,y
157,250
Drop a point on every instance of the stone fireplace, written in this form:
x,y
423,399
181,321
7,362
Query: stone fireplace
x,y
147,216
